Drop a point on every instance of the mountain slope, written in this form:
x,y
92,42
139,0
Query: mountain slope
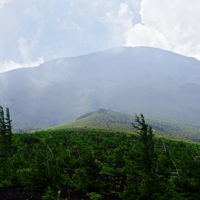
x,y
145,80
102,119
108,119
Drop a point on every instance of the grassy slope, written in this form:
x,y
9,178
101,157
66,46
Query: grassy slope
x,y
107,119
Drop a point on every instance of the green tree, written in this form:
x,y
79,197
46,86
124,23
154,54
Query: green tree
x,y
5,131
6,161
147,158
2,130
8,131
146,139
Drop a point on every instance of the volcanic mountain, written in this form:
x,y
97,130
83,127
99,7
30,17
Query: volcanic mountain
x,y
146,80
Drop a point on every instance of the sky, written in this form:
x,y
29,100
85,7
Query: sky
x,y
36,31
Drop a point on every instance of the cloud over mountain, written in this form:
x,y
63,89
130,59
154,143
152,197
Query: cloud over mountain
x,y
45,30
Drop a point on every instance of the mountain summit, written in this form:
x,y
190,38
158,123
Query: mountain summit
x,y
145,80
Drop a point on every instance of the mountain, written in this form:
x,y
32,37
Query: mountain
x,y
132,80
108,119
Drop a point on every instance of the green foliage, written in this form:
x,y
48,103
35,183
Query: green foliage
x,y
50,194
100,164
26,177
95,196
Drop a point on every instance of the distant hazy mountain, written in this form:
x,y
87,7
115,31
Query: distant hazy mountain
x,y
145,80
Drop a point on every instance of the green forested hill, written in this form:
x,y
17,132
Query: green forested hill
x,y
100,161
93,164
108,119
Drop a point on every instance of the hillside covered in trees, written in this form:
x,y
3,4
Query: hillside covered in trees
x,y
100,164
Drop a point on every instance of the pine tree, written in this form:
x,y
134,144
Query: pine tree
x,y
8,130
2,130
147,157
147,143
2,121
5,132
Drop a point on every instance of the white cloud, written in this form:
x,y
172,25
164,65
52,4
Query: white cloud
x,y
122,18
10,65
3,2
51,29
24,49
119,21
170,25
141,35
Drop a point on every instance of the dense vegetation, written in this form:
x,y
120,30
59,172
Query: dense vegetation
x,y
96,164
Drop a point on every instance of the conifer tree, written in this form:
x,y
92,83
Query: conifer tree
x,y
5,131
147,157
8,130
2,121
147,143
2,126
